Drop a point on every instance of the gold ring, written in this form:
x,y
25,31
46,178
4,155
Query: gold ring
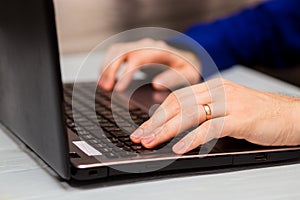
x,y
207,111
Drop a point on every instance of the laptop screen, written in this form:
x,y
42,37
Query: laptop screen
x,y
30,82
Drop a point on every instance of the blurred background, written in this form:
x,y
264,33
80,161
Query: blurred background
x,y
82,24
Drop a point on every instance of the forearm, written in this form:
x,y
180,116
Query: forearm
x,y
295,118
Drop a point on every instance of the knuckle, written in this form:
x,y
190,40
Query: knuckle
x,y
176,93
222,81
146,41
229,87
173,99
167,129
161,44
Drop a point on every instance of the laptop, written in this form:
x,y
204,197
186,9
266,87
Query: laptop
x,y
79,136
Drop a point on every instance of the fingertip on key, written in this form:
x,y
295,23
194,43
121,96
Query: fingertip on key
x,y
137,134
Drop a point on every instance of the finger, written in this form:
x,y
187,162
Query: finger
x,y
209,91
157,119
186,101
215,128
172,128
180,123
183,101
144,130
173,104
170,79
132,65
136,59
108,74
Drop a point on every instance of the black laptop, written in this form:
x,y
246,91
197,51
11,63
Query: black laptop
x,y
79,136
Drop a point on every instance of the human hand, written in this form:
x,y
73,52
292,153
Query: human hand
x,y
184,66
237,111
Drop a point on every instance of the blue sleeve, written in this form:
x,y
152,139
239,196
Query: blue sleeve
x,y
268,34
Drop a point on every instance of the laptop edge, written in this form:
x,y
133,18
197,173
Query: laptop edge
x,y
30,80
32,101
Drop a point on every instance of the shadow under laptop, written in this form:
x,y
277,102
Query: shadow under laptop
x,y
159,176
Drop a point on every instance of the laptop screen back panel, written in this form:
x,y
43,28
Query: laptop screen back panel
x,y
30,81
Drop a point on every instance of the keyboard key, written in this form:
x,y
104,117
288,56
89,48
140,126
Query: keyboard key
x,y
127,154
109,132
136,147
146,151
118,134
111,155
126,148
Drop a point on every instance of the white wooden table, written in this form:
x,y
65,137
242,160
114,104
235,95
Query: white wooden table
x,y
23,176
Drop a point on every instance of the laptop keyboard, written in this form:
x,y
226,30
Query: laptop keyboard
x,y
113,141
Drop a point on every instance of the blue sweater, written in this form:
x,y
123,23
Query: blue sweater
x,y
268,34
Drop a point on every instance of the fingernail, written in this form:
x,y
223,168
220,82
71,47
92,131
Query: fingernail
x,y
179,148
137,133
148,139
